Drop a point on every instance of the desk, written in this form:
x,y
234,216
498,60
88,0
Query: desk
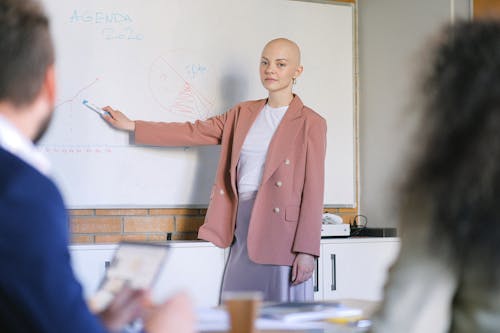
x,y
334,329
367,308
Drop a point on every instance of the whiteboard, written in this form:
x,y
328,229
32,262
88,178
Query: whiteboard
x,y
182,60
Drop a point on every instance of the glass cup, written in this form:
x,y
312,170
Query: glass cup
x,y
243,309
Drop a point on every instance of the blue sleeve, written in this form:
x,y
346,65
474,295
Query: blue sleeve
x,y
38,290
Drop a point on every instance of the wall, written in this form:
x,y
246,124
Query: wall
x,y
392,34
152,225
392,37
90,226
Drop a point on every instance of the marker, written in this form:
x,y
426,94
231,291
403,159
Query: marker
x,y
95,108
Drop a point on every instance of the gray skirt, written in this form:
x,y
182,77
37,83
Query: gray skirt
x,y
242,274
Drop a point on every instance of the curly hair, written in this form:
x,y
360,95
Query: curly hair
x,y
26,50
458,167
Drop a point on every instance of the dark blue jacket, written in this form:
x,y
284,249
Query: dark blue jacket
x,y
38,290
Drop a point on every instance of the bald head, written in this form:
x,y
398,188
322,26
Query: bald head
x,y
285,48
280,67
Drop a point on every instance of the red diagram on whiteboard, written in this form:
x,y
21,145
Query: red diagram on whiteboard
x,y
76,96
174,93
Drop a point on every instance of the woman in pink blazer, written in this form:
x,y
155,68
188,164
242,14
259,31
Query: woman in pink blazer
x,y
267,199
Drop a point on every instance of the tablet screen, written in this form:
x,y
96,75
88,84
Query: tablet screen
x,y
134,264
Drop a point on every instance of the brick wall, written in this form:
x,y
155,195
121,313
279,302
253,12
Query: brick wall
x,y
149,225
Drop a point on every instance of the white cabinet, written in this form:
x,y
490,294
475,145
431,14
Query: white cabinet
x,y
318,278
348,268
355,268
195,267
89,263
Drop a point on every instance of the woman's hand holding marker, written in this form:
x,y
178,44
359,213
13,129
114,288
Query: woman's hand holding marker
x,y
118,120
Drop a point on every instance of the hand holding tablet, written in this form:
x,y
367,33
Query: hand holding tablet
x,y
134,265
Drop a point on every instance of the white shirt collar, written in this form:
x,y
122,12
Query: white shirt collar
x,y
14,142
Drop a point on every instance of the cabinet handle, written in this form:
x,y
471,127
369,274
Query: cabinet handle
x,y
107,264
334,272
316,276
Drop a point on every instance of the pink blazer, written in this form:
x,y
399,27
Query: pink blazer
x,y
286,217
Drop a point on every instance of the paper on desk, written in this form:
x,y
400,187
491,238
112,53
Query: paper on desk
x,y
212,319
217,319
308,311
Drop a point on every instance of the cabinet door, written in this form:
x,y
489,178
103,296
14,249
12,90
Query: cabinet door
x,y
89,263
197,270
356,270
318,278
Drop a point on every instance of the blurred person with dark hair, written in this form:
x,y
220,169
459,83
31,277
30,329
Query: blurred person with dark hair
x,y
38,289
447,276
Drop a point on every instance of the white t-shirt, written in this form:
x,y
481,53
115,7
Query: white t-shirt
x,y
254,150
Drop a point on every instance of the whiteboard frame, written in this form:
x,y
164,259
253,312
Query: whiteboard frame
x,y
355,52
355,163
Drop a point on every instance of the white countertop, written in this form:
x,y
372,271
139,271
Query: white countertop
x,y
191,243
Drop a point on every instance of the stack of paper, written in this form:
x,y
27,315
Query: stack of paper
x,y
308,311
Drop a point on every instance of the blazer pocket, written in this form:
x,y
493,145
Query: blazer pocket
x,y
292,213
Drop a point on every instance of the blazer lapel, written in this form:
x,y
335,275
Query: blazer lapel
x,y
283,138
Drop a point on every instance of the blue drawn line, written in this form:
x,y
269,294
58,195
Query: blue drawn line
x,y
123,34
97,17
193,70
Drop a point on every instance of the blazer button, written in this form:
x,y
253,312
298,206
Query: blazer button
x,y
221,192
276,210
287,161
279,183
